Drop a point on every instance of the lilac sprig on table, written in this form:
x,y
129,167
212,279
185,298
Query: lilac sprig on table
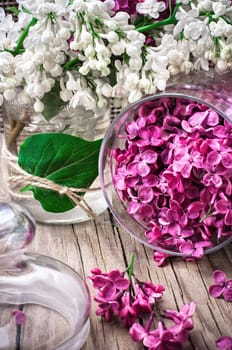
x,y
174,175
136,304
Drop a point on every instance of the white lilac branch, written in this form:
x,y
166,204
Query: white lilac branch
x,y
93,50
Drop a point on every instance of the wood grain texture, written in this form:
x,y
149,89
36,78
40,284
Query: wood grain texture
x,y
12,332
104,244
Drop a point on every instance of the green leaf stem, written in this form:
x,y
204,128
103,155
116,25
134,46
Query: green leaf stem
x,y
154,25
13,9
23,36
64,159
131,266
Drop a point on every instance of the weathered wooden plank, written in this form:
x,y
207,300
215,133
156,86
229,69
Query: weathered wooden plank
x,y
184,281
43,330
104,244
101,247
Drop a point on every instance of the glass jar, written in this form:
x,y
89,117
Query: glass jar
x,y
136,201
44,303
20,122
56,294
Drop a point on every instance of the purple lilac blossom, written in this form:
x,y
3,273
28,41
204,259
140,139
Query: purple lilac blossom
x,y
114,297
129,6
157,339
20,316
133,302
160,258
222,286
174,174
166,338
224,343
125,5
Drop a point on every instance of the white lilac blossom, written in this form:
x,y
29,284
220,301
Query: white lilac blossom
x,y
150,7
105,46
9,31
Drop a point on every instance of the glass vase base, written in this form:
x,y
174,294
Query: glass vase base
x,y
76,215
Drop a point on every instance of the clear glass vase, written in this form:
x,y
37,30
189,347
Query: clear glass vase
x,y
209,89
44,304
20,122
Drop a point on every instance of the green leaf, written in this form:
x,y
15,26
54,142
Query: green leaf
x,y
141,20
74,64
113,71
52,102
64,159
126,58
13,9
26,10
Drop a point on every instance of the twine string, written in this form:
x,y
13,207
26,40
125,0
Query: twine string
x,y
23,178
70,192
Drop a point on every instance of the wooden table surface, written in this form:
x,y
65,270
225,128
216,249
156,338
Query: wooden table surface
x,y
104,244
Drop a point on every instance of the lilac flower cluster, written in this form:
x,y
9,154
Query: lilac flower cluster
x,y
115,297
134,303
174,174
166,338
222,286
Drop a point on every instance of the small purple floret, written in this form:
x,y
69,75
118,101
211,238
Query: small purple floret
x,y
222,286
20,317
224,343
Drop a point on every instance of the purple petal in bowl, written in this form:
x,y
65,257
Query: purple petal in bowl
x,y
166,168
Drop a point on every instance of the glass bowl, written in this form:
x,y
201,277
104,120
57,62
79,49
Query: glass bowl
x,y
208,92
